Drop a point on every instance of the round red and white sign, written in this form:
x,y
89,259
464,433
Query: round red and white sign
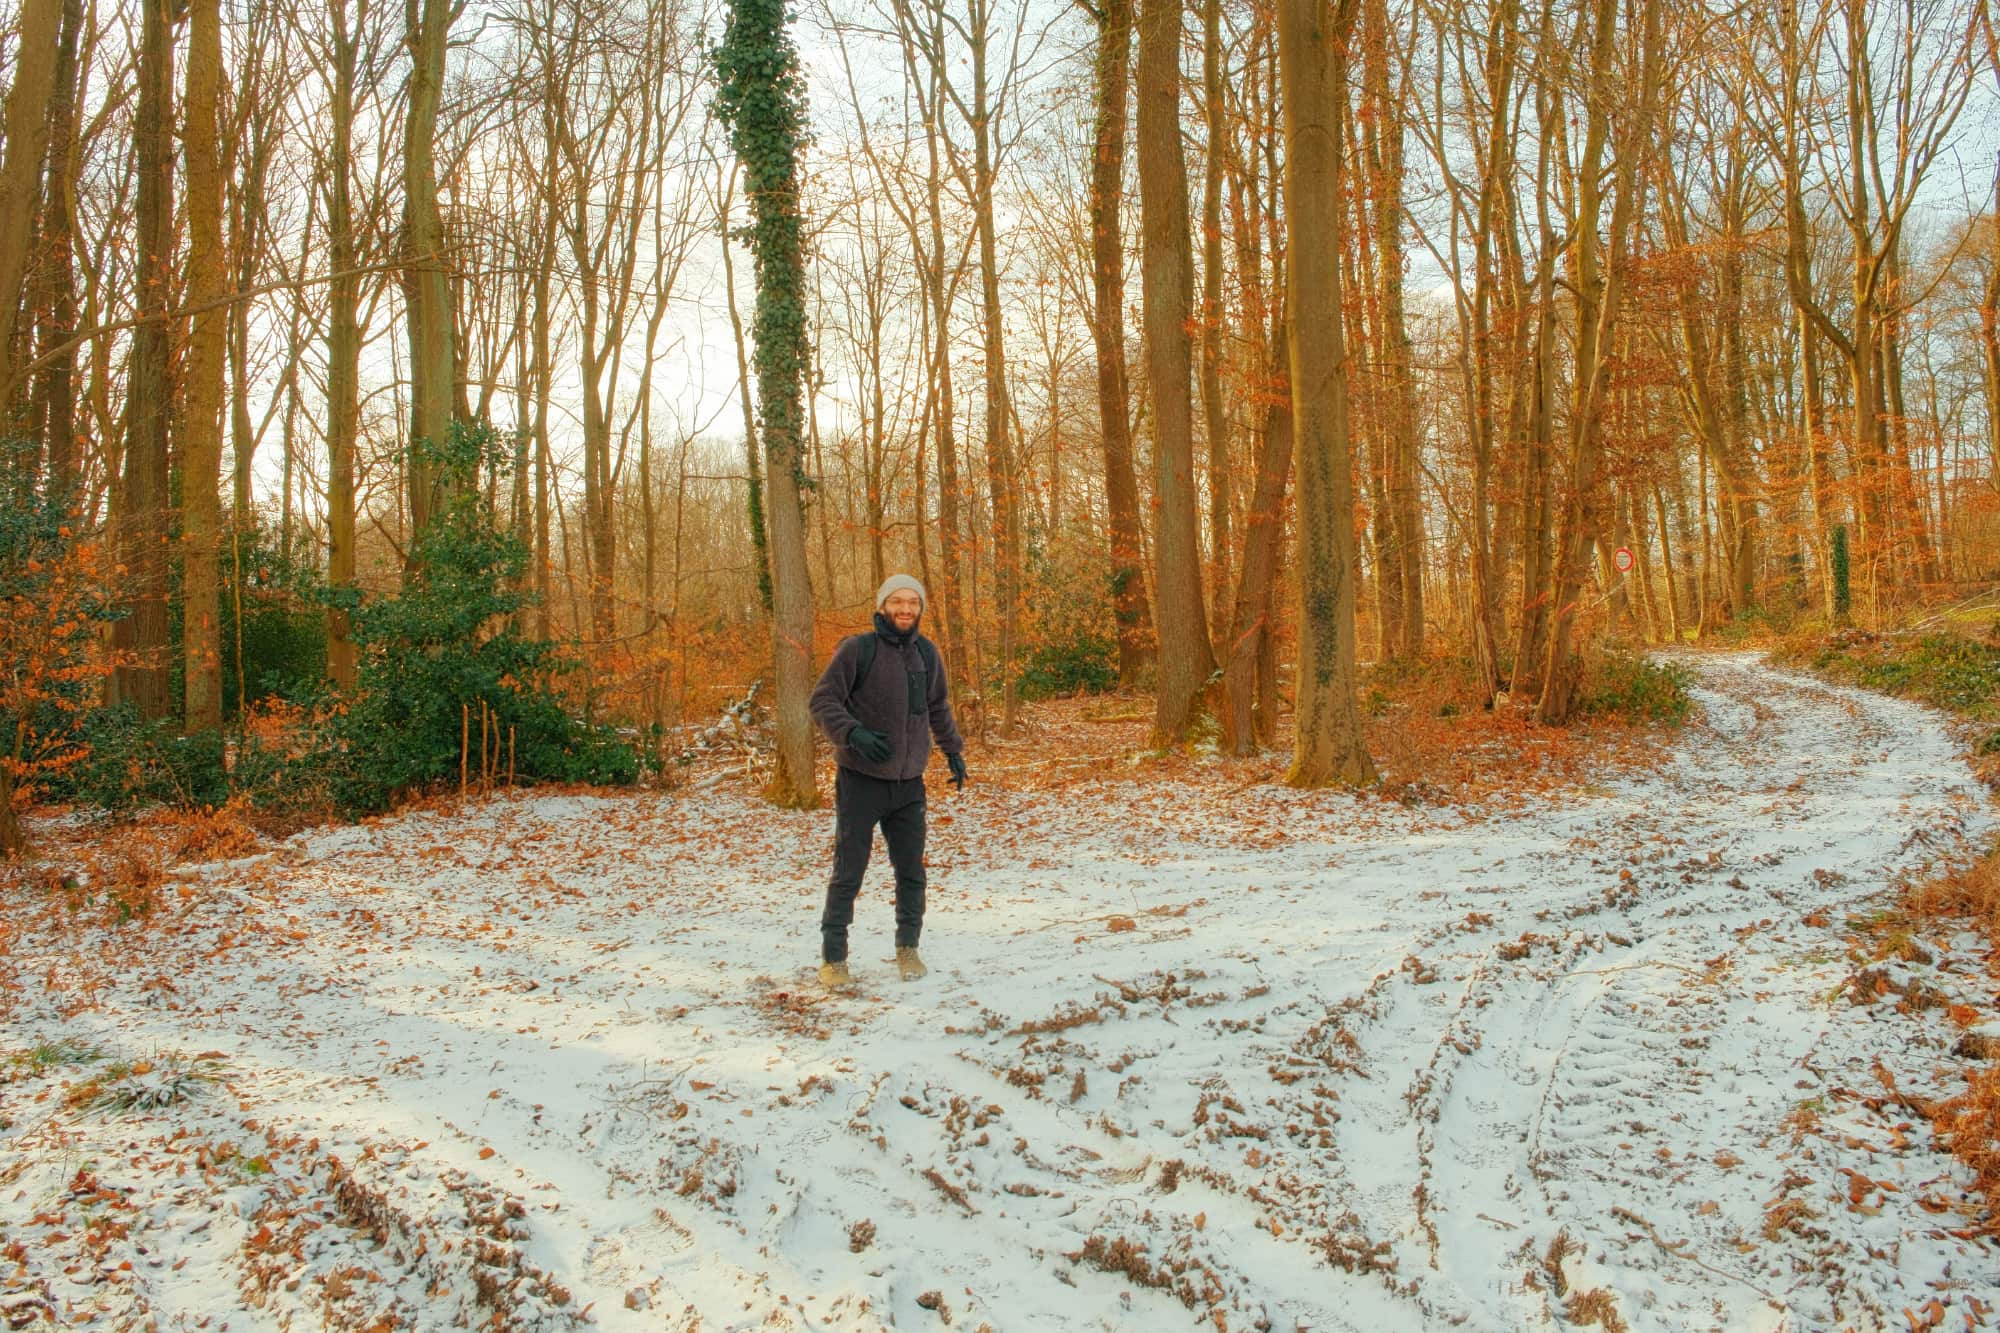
x,y
1622,557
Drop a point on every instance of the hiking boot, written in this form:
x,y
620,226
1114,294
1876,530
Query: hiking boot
x,y
835,976
907,962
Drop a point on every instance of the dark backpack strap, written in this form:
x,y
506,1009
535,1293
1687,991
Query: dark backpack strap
x,y
872,643
869,645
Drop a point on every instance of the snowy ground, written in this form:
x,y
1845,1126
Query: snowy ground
x,y
1240,1058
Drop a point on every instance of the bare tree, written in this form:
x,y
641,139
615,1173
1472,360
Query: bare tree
x,y
1312,61
1130,607
141,636
1166,266
200,443
426,268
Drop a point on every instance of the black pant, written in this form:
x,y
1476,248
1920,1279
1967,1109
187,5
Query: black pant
x,y
860,803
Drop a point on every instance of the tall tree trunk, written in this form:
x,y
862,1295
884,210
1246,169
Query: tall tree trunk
x,y
1496,173
27,123
343,343
208,351
1667,564
1908,489
56,311
1396,412
1538,408
1215,417
1129,605
1989,336
960,650
1264,531
247,167
1166,263
760,547
544,465
426,271
1312,45
1000,472
142,677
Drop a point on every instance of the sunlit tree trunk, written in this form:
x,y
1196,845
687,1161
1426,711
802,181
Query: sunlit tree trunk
x,y
142,677
1166,265
1249,625
1397,425
1312,40
39,28
1130,607
56,314
1496,168
200,444
1215,416
1001,480
343,338
426,270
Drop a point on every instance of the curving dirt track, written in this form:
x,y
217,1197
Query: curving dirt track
x,y
1267,1059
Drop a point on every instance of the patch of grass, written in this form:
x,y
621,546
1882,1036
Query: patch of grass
x,y
63,1051
1955,672
144,1085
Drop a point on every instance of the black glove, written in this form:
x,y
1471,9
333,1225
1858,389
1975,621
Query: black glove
x,y
957,762
870,745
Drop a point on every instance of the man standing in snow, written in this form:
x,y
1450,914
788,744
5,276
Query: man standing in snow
x,y
881,702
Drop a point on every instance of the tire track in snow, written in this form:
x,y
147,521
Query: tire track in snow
x,y
1358,1077
1639,1043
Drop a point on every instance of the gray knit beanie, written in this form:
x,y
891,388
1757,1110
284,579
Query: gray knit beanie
x,y
899,583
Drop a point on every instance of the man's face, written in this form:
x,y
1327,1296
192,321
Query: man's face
x,y
903,608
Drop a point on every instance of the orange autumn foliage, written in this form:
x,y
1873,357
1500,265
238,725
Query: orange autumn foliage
x,y
51,659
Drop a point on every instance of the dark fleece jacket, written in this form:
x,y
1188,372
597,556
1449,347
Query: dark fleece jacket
x,y
899,698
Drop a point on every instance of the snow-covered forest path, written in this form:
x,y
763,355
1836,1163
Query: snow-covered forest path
x,y
1249,1058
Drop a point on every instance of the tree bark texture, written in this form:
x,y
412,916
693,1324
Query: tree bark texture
x,y
426,269
1131,610
1312,40
1186,660
200,447
142,677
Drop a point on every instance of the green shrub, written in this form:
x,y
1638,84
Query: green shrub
x,y
283,631
1071,641
1086,662
130,762
1947,671
1843,597
436,651
1759,624
56,590
1638,688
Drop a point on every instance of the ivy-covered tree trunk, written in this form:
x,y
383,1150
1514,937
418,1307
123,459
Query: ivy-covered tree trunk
x,y
762,100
